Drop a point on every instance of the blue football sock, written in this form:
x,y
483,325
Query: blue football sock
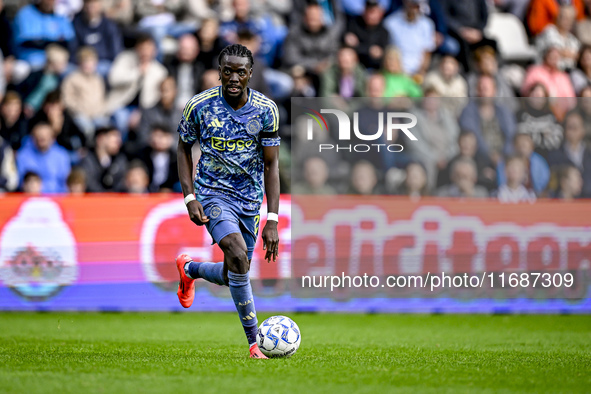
x,y
211,272
242,295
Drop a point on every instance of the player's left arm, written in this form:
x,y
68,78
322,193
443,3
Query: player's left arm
x,y
270,140
270,235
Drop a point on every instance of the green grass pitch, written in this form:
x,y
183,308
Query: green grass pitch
x,y
206,352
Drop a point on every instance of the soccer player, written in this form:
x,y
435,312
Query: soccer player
x,y
237,129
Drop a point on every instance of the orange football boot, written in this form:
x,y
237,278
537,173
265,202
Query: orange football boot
x,y
186,291
255,352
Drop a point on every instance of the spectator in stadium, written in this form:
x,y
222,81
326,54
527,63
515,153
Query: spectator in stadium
x,y
261,74
583,26
466,20
570,183
303,85
438,131
45,157
415,183
135,79
446,79
32,184
65,130
584,108
13,125
316,174
537,171
261,25
468,147
6,34
544,12
136,178
346,78
446,45
105,166
414,35
369,116
448,83
331,12
40,83
14,70
186,69
311,44
573,151
197,11
279,10
209,79
76,181
492,123
119,11
2,77
556,81
558,35
84,93
68,8
488,64
356,8
159,158
92,28
367,35
8,171
536,119
210,44
158,19
463,177
302,149
581,76
164,113
514,190
364,179
398,84
35,27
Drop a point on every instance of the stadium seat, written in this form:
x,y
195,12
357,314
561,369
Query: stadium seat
x,y
511,37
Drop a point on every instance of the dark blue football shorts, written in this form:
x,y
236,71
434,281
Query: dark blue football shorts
x,y
226,217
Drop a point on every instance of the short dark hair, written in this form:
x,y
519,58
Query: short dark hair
x,y
161,127
464,133
31,174
77,175
104,130
564,169
236,50
53,97
141,38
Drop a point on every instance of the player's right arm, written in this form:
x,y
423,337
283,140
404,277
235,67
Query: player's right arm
x,y
188,134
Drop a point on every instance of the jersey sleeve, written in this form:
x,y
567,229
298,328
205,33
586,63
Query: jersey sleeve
x,y
188,126
270,133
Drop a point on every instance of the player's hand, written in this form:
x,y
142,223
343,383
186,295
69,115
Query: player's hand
x,y
196,213
271,240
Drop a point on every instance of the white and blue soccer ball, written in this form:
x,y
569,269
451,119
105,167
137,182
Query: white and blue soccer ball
x,y
279,336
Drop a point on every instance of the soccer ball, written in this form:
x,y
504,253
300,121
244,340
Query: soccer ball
x,y
278,336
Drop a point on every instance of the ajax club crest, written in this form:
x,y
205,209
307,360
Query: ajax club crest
x,y
253,126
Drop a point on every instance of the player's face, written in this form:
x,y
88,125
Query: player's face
x,y
235,72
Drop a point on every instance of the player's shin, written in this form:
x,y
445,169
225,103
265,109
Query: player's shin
x,y
211,272
241,291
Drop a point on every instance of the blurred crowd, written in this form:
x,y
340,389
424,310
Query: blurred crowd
x,y
92,90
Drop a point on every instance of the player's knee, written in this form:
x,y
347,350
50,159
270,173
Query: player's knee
x,y
237,258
